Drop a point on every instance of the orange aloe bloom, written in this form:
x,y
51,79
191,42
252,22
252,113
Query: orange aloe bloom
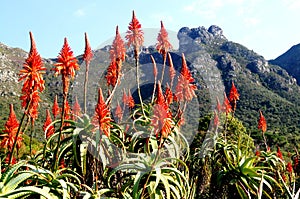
x,y
154,66
76,109
226,105
119,112
279,154
33,69
48,121
55,108
102,117
162,118
172,71
66,65
163,46
262,123
130,100
118,50
88,54
134,34
168,95
218,106
32,74
112,74
185,89
10,131
233,95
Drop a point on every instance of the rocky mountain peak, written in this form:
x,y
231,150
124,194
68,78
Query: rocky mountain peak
x,y
192,39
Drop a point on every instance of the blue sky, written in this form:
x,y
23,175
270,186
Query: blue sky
x,y
269,27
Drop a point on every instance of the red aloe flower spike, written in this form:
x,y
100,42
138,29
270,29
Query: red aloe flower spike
x,y
180,117
162,118
130,100
168,95
160,99
135,35
262,123
119,112
33,69
88,54
87,57
216,119
154,66
66,65
10,131
102,117
279,154
163,46
32,73
76,109
218,106
47,127
118,50
112,74
172,71
226,105
289,167
185,89
55,108
233,95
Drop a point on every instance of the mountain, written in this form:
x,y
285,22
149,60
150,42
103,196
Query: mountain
x,y
290,61
270,86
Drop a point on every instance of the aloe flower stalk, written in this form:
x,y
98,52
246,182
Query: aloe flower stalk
x,y
162,118
135,38
172,71
47,127
102,117
262,124
155,76
185,89
55,108
66,66
32,74
226,105
87,57
163,46
10,131
233,96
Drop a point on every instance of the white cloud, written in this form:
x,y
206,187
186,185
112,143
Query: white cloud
x,y
251,21
292,4
79,13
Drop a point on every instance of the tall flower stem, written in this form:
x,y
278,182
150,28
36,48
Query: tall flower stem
x,y
31,136
55,156
138,83
18,132
163,69
85,87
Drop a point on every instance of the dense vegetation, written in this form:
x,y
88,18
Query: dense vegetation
x,y
139,141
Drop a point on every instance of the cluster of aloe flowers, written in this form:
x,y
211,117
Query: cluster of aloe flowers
x,y
153,160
